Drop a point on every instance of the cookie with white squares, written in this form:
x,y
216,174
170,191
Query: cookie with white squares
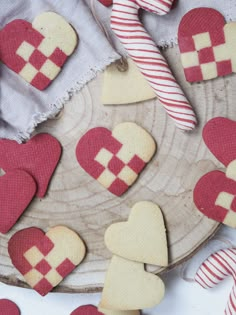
x,y
115,158
39,50
207,48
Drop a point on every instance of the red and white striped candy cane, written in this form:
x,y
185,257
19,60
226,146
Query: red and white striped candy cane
x,y
142,49
217,267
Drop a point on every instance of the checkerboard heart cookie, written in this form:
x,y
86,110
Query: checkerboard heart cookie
x,y
8,307
38,157
17,188
129,287
142,238
45,259
115,158
37,51
215,195
207,45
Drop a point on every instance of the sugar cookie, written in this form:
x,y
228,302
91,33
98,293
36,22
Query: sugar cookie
x,y
219,134
45,259
207,48
38,157
142,238
129,287
86,310
125,87
115,158
8,307
37,51
17,188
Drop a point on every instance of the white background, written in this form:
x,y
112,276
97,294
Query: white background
x,y
182,297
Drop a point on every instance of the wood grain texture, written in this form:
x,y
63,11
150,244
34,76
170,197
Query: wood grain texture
x,y
78,201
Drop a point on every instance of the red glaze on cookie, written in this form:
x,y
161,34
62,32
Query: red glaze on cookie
x,y
219,134
38,157
17,188
102,155
8,307
86,310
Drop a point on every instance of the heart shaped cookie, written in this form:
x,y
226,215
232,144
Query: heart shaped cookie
x,y
17,188
219,134
7,307
207,45
215,195
142,238
115,312
115,158
129,287
38,157
37,51
45,259
86,310
125,87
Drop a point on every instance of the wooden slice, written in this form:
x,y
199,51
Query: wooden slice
x,y
78,201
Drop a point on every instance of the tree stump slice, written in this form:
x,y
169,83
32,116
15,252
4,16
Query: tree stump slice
x,y
78,201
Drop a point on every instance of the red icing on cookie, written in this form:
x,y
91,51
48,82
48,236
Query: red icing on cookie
x,y
219,135
38,157
17,188
202,38
7,307
207,191
86,310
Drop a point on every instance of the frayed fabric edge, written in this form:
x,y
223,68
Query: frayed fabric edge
x,y
170,43
55,108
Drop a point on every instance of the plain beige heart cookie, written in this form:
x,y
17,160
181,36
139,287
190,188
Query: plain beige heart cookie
x,y
125,87
142,238
115,312
129,287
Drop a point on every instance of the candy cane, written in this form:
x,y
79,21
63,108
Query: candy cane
x,y
216,268
142,49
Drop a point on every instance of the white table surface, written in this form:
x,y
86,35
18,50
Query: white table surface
x,y
182,298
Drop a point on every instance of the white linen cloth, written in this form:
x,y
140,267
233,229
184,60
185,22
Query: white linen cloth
x,y
22,106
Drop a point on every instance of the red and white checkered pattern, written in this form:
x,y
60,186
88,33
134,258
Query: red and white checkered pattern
x,y
115,158
215,269
206,45
207,61
118,171
39,69
37,51
45,274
